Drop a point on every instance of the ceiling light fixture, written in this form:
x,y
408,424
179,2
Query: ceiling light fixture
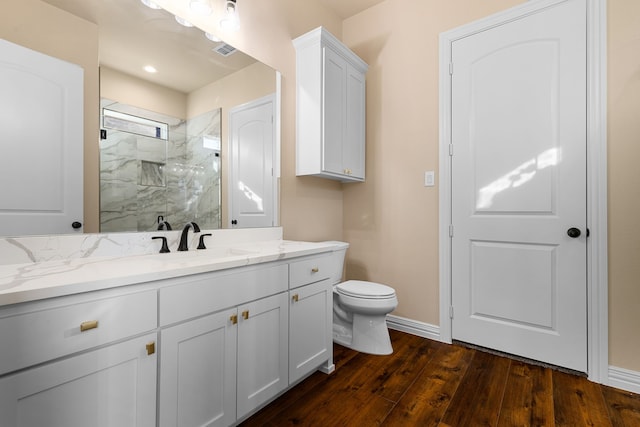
x,y
150,69
183,22
230,20
201,7
212,37
150,4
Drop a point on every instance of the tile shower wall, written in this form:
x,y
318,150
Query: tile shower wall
x,y
142,178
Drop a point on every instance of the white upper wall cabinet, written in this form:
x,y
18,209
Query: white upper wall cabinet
x,y
330,116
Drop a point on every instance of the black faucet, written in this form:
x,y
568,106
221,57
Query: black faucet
x,y
165,248
162,224
184,246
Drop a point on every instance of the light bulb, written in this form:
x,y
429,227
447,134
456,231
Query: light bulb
x,y
230,21
183,22
212,37
150,4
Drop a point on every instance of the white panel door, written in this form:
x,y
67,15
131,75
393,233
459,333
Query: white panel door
x,y
519,185
251,135
41,138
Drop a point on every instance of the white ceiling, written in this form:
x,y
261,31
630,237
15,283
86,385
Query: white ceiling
x,y
131,36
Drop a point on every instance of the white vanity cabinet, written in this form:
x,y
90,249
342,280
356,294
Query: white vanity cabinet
x,y
201,348
310,317
54,377
222,363
330,108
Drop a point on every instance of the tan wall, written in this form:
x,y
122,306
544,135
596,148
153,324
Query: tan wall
x,y
624,181
130,90
74,40
248,84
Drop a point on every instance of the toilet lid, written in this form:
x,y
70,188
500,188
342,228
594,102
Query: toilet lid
x,y
362,289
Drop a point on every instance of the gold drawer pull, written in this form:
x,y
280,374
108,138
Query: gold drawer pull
x,y
151,348
295,297
315,269
245,314
234,319
91,324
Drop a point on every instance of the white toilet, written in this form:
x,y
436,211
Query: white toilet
x,y
360,314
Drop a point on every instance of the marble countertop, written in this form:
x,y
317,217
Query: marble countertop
x,y
39,280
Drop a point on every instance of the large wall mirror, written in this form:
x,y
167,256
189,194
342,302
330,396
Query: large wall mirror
x,y
166,149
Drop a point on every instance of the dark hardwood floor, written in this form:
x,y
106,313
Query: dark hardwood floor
x,y
428,383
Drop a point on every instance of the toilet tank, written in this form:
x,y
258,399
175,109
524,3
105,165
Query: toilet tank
x,y
337,261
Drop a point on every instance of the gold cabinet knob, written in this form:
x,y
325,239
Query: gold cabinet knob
x,y
245,314
294,298
151,348
315,269
234,319
90,324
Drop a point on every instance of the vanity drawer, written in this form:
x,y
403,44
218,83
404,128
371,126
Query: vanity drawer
x,y
209,293
310,270
37,332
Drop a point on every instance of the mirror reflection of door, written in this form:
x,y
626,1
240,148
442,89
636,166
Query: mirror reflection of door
x,y
251,151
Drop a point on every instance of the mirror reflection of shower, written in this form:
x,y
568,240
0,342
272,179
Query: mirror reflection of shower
x,y
153,165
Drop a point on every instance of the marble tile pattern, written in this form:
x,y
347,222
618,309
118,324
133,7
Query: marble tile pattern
x,y
30,281
37,249
142,178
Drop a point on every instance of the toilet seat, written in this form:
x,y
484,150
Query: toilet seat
x,y
362,289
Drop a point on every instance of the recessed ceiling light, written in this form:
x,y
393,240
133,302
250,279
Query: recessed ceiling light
x,y
183,22
150,4
150,69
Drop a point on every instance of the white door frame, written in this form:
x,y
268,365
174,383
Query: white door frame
x,y
597,264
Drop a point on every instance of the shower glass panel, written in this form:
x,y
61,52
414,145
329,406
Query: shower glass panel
x,y
154,166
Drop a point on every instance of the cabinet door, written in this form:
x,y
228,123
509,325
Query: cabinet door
x,y
353,147
334,114
112,386
310,325
262,351
197,372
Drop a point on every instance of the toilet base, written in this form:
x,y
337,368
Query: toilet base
x,y
370,332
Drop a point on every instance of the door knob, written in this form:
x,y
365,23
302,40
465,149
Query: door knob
x,y
573,232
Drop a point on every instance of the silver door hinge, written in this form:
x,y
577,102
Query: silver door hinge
x,y
450,149
451,230
451,312
450,67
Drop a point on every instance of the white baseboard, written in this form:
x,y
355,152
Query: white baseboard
x,y
421,329
624,379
